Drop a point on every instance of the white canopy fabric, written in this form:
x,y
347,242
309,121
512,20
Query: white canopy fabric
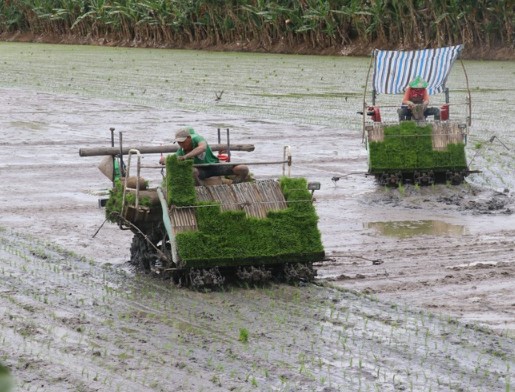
x,y
393,70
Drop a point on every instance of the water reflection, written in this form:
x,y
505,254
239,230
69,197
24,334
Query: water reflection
x,y
404,229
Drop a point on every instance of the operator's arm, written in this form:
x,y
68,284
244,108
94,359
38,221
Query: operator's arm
x,y
200,149
406,98
425,100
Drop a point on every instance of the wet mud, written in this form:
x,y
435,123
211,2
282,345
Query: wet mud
x,y
416,293
72,324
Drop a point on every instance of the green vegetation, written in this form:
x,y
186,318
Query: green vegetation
x,y
180,185
231,238
408,146
113,208
114,203
4,370
244,335
313,23
5,379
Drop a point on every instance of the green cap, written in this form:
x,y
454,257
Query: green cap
x,y
418,82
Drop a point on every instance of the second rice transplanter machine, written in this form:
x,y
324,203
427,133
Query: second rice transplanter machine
x,y
419,150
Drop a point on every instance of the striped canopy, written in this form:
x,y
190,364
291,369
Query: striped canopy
x,y
393,70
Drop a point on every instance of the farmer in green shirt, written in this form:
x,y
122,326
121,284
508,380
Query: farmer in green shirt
x,y
192,145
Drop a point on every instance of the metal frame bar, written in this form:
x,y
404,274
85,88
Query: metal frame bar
x,y
168,226
126,178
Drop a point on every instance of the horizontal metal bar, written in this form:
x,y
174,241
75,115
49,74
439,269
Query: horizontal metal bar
x,y
239,163
98,151
220,164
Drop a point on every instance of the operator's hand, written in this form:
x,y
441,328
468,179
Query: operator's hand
x,y
181,157
162,161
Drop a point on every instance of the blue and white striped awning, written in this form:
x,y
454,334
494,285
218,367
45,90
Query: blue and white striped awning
x,y
393,70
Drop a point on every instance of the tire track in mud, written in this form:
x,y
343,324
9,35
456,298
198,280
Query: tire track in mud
x,y
70,324
425,273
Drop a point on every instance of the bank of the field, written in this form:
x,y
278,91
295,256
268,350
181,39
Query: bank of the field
x,y
352,27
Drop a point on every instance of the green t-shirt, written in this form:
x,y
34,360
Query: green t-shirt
x,y
206,157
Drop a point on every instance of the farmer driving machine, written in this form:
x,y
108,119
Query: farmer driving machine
x,y
417,144
201,235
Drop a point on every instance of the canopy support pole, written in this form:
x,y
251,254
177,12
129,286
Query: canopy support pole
x,y
469,98
365,98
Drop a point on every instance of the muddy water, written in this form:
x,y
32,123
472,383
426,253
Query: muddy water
x,y
320,93
447,250
402,229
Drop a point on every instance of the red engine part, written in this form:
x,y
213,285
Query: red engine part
x,y
374,113
223,157
444,112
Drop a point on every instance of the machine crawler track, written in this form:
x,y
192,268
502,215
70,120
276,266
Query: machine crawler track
x,y
145,258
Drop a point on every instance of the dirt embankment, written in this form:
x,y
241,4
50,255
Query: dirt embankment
x,y
351,49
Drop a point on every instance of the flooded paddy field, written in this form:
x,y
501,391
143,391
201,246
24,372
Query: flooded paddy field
x,y
417,291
